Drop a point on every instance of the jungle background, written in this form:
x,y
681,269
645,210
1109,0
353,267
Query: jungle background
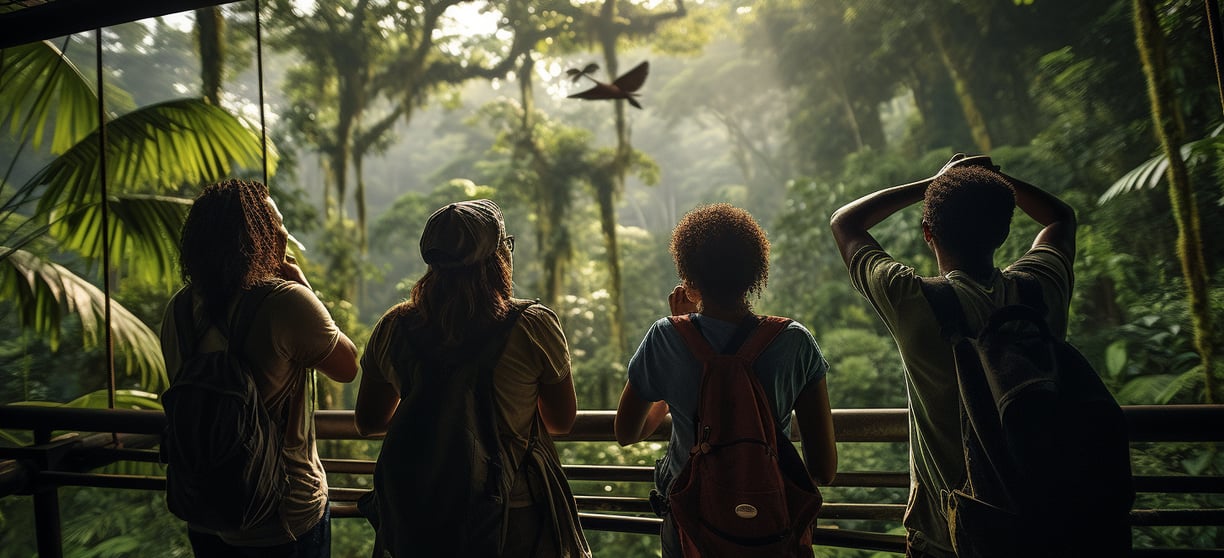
x,y
376,113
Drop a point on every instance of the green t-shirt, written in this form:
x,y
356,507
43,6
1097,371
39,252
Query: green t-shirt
x,y
936,458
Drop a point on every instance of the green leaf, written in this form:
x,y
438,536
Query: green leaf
x,y
124,399
144,234
1115,357
1149,174
42,291
153,149
1200,462
37,84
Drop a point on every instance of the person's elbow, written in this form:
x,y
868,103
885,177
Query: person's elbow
x,y
1068,217
826,471
559,425
558,406
623,436
367,428
837,221
341,363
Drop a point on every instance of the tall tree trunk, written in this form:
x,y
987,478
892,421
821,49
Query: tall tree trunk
x,y
210,34
359,197
1171,130
969,105
609,190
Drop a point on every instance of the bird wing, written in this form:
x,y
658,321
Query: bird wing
x,y
633,79
600,91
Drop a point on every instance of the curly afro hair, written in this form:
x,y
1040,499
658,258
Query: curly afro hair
x,y
722,251
969,210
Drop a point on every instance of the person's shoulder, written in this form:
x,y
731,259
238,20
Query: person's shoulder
x,y
796,332
287,291
1044,257
1047,252
534,312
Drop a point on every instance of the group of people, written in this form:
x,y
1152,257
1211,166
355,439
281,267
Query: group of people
x,y
234,240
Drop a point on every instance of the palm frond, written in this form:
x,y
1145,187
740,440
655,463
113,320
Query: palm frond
x,y
153,149
1150,173
1159,389
143,228
43,291
124,399
38,83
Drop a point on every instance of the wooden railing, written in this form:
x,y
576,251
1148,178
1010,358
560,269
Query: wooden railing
x,y
71,443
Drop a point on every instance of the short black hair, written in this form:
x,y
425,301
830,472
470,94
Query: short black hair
x,y
969,209
722,251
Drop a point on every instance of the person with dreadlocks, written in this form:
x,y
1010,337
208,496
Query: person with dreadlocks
x,y
233,248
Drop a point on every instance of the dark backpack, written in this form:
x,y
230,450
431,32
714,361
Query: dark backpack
x,y
1047,453
225,470
442,482
744,491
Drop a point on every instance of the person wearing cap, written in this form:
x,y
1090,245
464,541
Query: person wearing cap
x,y
465,293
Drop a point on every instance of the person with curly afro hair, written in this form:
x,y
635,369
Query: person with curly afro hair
x,y
233,257
722,260
967,212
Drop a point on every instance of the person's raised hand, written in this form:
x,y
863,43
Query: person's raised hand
x,y
962,160
290,271
951,163
679,303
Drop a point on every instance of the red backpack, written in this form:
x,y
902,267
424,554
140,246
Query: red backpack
x,y
744,492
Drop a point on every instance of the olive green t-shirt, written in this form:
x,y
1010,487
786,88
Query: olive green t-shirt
x,y
936,458
536,353
290,332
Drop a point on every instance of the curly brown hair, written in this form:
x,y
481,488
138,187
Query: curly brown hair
x,y
969,210
722,251
231,241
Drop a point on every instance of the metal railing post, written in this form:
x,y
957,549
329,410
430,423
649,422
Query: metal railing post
x,y
47,527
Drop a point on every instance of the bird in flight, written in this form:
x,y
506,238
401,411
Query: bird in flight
x,y
625,87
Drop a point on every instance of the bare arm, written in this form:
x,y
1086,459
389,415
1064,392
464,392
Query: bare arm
x,y
1056,216
341,363
851,222
558,405
815,418
637,418
376,403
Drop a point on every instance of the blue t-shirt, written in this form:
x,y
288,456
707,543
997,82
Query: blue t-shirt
x,y
663,368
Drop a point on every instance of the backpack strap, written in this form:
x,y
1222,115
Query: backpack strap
x,y
768,328
949,313
184,322
235,331
240,322
692,336
1030,291
751,337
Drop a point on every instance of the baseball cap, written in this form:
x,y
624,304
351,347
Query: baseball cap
x,y
462,234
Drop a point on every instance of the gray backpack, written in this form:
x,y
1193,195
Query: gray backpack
x,y
225,470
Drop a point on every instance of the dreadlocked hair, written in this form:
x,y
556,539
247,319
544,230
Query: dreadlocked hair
x,y
722,251
448,304
969,210
231,241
